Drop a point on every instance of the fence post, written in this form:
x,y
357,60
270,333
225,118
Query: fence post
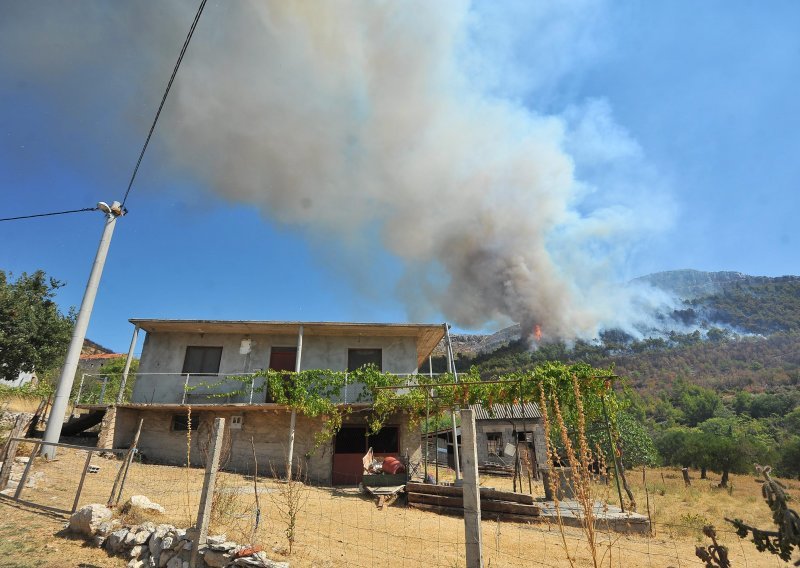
x,y
36,447
122,472
81,482
10,450
207,496
472,500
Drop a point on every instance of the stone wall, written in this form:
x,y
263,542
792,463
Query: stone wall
x,y
149,545
105,438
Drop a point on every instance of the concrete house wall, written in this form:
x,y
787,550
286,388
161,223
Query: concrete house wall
x,y
269,429
164,353
159,397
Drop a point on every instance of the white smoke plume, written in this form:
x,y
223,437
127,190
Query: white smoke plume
x,y
352,118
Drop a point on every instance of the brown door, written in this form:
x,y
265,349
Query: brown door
x,y
281,359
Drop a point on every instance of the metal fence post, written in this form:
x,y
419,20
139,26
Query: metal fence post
x,y
81,482
472,500
103,390
27,470
80,389
207,496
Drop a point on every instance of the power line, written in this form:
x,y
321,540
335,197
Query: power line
x,y
49,214
164,98
149,134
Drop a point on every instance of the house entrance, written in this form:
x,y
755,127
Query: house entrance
x,y
281,359
350,445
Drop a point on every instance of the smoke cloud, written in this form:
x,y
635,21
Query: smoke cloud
x,y
391,126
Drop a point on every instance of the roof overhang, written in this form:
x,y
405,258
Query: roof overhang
x,y
427,336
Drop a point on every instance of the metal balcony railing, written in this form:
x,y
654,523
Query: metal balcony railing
x,y
188,388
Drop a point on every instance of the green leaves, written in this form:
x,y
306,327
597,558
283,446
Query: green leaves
x,y
322,392
33,334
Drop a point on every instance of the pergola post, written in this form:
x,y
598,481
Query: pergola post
x,y
293,418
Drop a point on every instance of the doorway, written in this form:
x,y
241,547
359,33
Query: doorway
x,y
281,359
350,445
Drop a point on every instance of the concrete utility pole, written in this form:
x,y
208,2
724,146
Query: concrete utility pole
x,y
61,399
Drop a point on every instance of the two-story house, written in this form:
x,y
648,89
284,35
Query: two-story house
x,y
187,364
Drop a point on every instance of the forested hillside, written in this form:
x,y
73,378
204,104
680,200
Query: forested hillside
x,y
718,396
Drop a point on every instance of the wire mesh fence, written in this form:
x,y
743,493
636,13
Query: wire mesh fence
x,y
311,524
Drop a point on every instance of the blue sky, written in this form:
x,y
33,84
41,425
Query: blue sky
x,y
703,95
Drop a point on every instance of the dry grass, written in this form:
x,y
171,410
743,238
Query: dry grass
x,y
341,528
27,541
17,404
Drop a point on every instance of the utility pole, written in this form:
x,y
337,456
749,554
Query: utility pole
x,y
61,399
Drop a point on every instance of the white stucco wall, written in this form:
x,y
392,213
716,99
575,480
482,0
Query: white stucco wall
x,y
164,352
22,379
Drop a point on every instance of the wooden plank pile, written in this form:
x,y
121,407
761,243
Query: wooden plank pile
x,y
495,505
496,469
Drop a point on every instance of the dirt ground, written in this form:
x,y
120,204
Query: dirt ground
x,y
31,538
340,527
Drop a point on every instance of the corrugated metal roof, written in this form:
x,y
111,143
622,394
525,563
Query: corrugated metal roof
x,y
102,356
506,411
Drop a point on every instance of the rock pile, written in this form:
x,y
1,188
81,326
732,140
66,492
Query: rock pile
x,y
162,546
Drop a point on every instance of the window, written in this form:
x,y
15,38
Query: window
x,y
357,358
494,443
180,422
385,441
525,436
202,360
351,441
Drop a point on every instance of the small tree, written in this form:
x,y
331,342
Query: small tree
x,y
34,335
789,463
290,498
730,445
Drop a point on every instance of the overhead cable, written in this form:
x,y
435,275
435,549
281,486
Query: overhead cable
x,y
49,214
164,98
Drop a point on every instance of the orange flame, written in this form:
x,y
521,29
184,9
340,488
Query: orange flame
x,y
537,332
